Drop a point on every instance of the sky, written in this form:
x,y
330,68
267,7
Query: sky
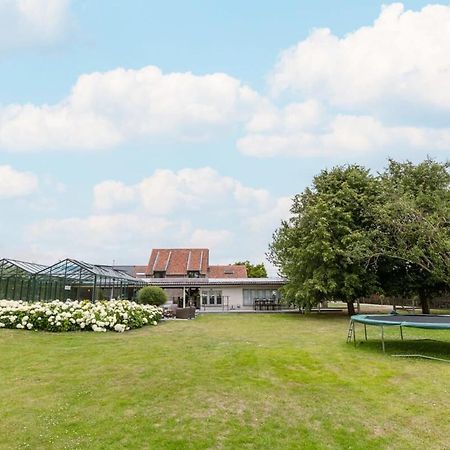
x,y
127,126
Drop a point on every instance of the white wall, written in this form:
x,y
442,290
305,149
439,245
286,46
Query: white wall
x,y
235,295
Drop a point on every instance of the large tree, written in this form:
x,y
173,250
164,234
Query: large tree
x,y
254,270
412,230
322,248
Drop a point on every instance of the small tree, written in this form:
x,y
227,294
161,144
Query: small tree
x,y
152,295
254,270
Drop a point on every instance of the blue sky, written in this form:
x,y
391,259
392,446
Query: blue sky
x,y
131,125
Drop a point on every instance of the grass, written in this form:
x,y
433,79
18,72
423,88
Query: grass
x,y
224,382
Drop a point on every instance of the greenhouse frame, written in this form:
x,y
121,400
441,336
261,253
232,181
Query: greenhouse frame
x,y
17,278
67,279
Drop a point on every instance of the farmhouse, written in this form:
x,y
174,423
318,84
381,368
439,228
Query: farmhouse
x,y
184,273
189,279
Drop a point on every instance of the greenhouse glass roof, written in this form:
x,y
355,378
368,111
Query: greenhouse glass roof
x,y
7,265
80,271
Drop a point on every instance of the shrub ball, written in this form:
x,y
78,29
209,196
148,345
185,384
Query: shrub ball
x,y
152,295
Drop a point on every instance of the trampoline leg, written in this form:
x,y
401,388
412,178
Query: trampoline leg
x,y
354,334
365,331
401,332
382,339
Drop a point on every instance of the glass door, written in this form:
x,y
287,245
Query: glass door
x,y
211,298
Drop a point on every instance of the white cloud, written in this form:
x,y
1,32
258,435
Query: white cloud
x,y
379,88
210,238
306,129
110,194
270,219
31,23
106,109
31,128
383,88
168,191
295,116
189,207
125,238
261,227
96,238
403,57
16,184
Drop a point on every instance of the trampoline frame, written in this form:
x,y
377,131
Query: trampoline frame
x,y
369,319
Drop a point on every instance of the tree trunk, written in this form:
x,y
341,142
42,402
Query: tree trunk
x,y
424,302
351,308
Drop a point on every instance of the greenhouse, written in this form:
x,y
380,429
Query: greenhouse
x,y
77,280
67,279
17,278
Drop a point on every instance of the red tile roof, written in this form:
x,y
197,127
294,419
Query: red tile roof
x,y
140,270
134,271
178,261
230,271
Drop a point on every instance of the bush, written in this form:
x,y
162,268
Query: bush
x,y
152,295
114,315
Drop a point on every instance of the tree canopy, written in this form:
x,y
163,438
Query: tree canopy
x,y
412,230
254,270
352,234
321,248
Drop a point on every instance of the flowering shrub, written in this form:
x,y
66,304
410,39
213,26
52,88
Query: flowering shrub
x,y
114,315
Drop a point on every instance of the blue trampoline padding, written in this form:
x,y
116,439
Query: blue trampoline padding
x,y
430,321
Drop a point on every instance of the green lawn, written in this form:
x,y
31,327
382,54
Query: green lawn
x,y
223,382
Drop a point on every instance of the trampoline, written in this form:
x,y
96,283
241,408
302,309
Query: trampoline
x,y
426,321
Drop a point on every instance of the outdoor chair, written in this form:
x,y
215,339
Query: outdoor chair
x,y
186,313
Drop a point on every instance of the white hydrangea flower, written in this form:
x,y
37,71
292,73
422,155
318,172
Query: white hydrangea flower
x,y
117,315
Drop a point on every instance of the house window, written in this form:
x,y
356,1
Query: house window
x,y
250,295
211,297
193,274
159,274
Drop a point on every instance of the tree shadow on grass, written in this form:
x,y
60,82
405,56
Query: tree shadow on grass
x,y
324,315
425,347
